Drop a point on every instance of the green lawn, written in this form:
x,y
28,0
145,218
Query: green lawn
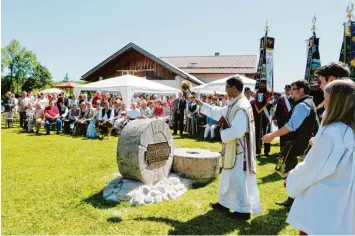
x,y
52,184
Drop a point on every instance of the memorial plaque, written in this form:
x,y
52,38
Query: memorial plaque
x,y
144,151
157,152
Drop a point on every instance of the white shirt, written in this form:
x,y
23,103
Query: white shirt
x,y
324,184
105,116
43,101
133,114
136,100
30,113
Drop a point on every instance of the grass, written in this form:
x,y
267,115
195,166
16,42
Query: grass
x,y
52,185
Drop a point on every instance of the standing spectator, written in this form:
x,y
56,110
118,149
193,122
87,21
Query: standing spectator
x,y
135,98
134,112
162,98
115,96
51,114
247,93
54,98
224,100
283,109
63,98
23,103
323,185
9,102
300,127
43,101
178,113
84,99
171,102
192,126
38,118
105,120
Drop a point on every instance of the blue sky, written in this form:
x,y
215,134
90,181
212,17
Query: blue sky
x,y
75,35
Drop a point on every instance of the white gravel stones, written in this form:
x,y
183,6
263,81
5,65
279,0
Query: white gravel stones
x,y
138,194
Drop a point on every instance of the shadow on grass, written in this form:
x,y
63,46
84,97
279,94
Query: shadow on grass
x,y
217,223
98,201
114,219
211,223
263,160
271,178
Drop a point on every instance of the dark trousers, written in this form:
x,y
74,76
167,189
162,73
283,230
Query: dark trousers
x,y
179,123
282,138
261,128
23,119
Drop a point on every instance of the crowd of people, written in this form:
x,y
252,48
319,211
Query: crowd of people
x,y
317,149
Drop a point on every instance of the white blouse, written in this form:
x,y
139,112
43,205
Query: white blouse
x,y
323,185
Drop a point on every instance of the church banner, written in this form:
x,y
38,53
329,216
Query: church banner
x,y
265,70
347,53
313,58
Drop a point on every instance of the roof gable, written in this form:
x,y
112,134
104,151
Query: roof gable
x,y
160,61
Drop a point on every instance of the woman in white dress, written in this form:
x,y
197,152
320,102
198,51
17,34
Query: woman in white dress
x,y
323,185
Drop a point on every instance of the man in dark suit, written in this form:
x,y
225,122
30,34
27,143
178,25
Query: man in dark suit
x,y
179,113
283,108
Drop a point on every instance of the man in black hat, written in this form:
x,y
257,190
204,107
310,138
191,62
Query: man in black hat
x,y
283,108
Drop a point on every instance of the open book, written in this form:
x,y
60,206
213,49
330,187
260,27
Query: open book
x,y
223,123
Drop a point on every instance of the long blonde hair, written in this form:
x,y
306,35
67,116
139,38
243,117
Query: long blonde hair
x,y
341,103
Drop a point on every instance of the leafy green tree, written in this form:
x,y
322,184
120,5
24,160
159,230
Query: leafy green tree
x,y
22,68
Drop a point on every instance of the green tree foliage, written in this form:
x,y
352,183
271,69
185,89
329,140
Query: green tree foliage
x,y
66,78
21,69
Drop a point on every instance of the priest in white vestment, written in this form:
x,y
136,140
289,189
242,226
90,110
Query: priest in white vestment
x,y
238,190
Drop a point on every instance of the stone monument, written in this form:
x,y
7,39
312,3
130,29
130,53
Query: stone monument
x,y
196,164
145,151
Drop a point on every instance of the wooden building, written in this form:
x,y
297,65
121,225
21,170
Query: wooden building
x,y
134,60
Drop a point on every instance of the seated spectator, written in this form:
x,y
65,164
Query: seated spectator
x,y
97,98
116,109
73,117
72,101
105,120
29,117
166,113
145,111
84,120
51,114
134,112
210,128
38,118
158,109
121,121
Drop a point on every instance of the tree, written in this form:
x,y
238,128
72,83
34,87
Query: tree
x,y
66,78
20,65
39,79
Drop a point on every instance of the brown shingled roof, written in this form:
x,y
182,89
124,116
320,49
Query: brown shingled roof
x,y
215,64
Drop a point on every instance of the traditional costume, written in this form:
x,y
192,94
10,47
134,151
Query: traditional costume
x,y
237,188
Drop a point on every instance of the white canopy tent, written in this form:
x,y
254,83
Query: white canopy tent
x,y
219,86
126,85
51,90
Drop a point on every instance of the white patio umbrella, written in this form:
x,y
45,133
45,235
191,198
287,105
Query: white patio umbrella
x,y
219,86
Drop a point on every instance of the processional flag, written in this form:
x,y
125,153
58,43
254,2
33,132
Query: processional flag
x,y
313,58
265,70
347,53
